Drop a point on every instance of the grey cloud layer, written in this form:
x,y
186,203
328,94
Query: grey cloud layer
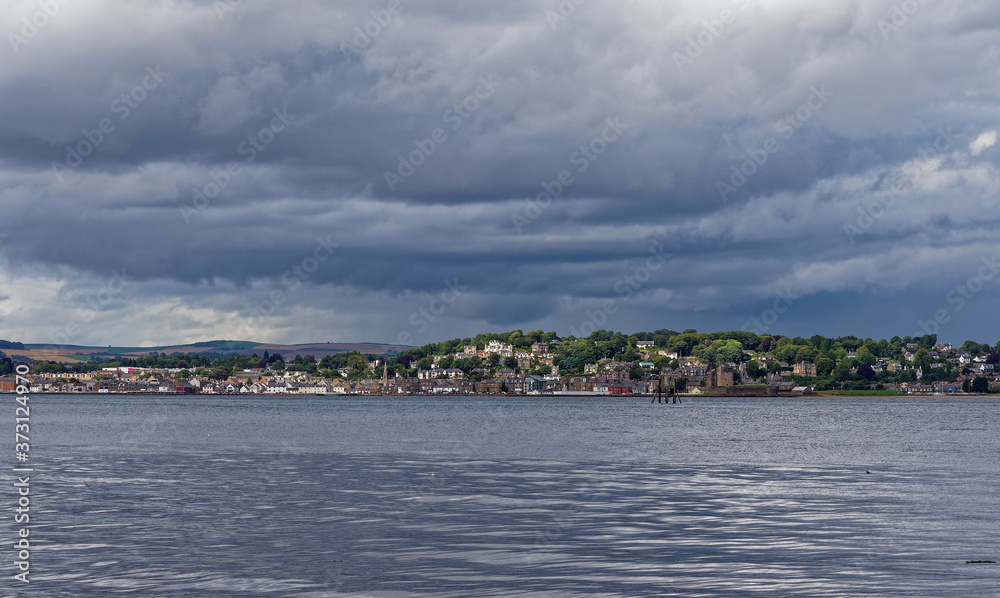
x,y
839,198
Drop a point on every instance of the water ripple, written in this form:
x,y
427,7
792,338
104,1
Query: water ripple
x,y
218,520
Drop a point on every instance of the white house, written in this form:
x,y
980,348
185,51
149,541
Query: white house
x,y
499,348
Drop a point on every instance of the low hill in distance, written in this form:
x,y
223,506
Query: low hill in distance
x,y
69,354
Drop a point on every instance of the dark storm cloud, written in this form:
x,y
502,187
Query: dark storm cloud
x,y
532,151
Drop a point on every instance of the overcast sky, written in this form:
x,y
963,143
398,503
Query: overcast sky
x,y
416,170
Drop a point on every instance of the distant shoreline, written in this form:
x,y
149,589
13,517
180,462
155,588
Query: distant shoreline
x,y
815,395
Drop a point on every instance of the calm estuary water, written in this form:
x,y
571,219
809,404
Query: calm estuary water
x,y
472,496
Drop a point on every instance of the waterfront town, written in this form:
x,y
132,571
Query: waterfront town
x,y
605,363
